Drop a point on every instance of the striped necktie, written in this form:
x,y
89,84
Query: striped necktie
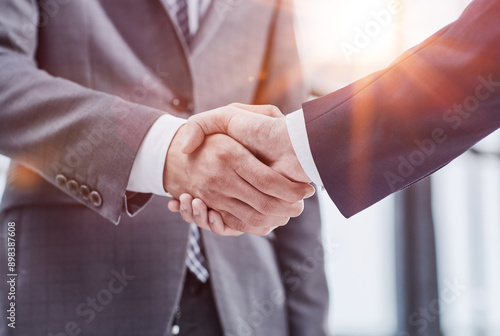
x,y
195,259
183,19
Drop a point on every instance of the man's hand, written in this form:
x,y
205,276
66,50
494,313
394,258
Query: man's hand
x,y
261,129
249,196
194,210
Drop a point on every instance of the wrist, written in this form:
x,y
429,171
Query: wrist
x,y
282,157
174,162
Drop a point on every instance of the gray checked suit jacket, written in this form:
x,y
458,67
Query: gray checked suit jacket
x,y
81,82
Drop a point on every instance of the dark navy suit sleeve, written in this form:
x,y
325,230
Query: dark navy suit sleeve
x,y
394,127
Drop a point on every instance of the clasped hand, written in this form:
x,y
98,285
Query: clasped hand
x,y
233,170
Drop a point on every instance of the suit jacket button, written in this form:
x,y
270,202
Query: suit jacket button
x,y
182,105
84,192
61,180
72,186
95,198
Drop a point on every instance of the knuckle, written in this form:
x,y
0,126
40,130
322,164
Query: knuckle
x,y
233,222
184,210
185,199
264,179
299,192
217,181
267,180
255,219
224,155
282,221
268,206
209,191
212,180
273,110
240,158
239,226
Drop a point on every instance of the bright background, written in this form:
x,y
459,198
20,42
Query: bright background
x,y
361,268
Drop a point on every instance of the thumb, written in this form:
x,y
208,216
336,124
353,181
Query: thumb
x,y
201,125
193,137
267,110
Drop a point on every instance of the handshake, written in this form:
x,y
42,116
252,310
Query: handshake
x,y
233,170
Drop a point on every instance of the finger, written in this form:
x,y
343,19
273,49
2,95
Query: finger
x,y
186,207
174,205
240,226
264,204
200,214
246,219
270,182
268,110
310,192
217,121
241,190
201,125
193,138
218,227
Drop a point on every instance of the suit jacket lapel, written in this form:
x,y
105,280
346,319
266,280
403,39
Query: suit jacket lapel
x,y
182,72
180,37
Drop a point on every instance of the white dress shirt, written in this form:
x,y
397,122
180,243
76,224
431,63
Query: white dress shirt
x,y
147,170
297,132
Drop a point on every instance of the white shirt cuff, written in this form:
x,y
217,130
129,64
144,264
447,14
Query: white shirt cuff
x,y
297,132
147,171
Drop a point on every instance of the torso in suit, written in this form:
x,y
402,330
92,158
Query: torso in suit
x,y
81,83
398,125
